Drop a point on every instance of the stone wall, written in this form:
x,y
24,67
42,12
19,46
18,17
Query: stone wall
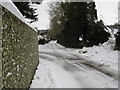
x,y
19,52
0,48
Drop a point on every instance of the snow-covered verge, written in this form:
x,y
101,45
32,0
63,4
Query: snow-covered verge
x,y
103,54
93,67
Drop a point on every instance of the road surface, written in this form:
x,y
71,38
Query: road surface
x,y
64,68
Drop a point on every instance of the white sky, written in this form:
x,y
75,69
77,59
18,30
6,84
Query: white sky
x,y
107,10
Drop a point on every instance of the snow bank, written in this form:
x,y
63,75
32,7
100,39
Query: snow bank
x,y
104,51
104,55
8,4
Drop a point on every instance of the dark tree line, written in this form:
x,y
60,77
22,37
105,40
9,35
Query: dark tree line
x,y
28,11
118,37
72,21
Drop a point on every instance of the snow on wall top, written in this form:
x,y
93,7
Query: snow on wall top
x,y
8,4
12,8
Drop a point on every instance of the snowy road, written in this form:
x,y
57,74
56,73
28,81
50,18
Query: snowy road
x,y
64,68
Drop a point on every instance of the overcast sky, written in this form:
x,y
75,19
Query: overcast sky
x,y
107,10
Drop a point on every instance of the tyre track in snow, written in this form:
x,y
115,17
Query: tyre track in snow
x,y
81,60
80,68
